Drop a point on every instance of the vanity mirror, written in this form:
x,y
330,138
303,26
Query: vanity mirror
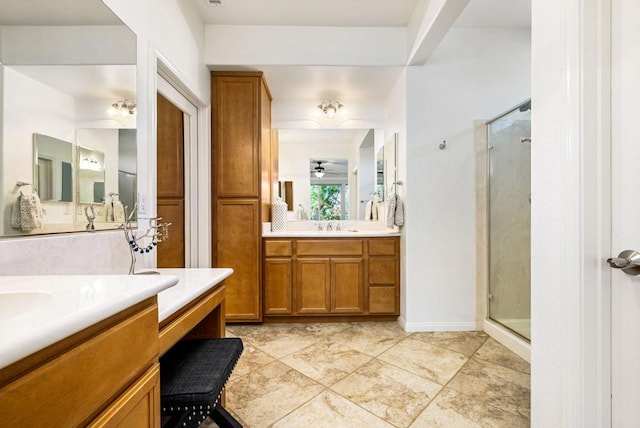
x,y
300,150
91,175
61,70
52,168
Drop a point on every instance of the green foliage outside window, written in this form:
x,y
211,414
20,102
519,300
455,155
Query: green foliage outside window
x,y
326,202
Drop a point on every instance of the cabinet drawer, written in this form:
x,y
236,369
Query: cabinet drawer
x,y
278,248
382,271
382,300
382,247
330,247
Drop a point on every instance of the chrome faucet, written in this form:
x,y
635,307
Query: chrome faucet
x,y
337,227
319,227
329,227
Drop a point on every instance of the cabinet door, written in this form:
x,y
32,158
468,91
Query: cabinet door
x,y
236,135
313,286
347,285
138,406
237,240
277,286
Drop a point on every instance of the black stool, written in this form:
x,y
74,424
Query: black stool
x,y
192,376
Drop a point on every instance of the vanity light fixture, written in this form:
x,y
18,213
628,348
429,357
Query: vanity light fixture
x,y
122,108
331,108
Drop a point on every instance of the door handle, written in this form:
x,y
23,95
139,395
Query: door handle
x,y
628,261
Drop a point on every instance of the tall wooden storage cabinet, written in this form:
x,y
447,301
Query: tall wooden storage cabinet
x,y
242,176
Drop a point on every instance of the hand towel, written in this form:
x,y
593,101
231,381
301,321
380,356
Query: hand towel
x,y
118,211
31,214
301,214
368,210
398,217
15,214
395,211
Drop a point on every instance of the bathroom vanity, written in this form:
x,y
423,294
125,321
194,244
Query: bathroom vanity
x,y
84,350
338,276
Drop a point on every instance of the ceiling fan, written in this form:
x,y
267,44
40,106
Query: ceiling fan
x,y
318,171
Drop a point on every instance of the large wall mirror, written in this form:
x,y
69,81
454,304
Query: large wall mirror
x,y
349,170
68,111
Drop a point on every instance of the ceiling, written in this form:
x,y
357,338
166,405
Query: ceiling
x,y
58,12
318,83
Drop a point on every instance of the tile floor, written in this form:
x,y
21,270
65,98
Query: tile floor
x,y
375,375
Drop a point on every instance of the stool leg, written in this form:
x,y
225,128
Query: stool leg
x,y
223,418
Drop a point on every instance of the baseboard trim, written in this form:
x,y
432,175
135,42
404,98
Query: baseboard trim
x,y
437,326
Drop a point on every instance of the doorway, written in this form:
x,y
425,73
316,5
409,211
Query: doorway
x,y
176,126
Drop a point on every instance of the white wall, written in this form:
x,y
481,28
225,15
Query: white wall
x,y
396,122
474,74
305,45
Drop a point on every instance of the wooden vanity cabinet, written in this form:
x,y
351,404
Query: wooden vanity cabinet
x,y
105,375
331,277
243,172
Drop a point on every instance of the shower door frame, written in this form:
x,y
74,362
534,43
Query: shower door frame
x,y
488,222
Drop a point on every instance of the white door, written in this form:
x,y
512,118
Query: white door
x,y
625,289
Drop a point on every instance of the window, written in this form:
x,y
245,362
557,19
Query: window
x,y
329,202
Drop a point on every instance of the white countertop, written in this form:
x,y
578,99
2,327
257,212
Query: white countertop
x,y
65,304
348,229
192,283
332,234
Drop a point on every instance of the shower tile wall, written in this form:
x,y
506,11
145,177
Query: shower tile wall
x,y
510,224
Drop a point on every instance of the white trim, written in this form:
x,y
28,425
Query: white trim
x,y
519,346
437,326
570,214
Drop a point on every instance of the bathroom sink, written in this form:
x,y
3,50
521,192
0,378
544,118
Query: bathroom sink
x,y
14,303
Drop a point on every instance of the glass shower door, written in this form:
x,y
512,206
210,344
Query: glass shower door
x,y
509,144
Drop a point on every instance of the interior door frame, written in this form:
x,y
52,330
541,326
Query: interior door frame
x,y
197,166
571,205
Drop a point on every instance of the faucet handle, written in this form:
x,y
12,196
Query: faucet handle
x,y
319,227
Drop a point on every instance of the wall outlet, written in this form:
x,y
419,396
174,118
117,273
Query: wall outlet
x,y
142,204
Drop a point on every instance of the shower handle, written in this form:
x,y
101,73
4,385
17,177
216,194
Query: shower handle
x,y
628,261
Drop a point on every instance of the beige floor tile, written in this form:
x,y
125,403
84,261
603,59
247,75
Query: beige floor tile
x,y
279,340
465,342
330,410
499,386
494,352
429,361
388,392
326,362
269,393
451,409
371,338
252,359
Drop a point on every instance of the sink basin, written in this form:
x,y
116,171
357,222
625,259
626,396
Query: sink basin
x,y
16,303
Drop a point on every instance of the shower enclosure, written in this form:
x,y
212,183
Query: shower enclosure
x,y
509,219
